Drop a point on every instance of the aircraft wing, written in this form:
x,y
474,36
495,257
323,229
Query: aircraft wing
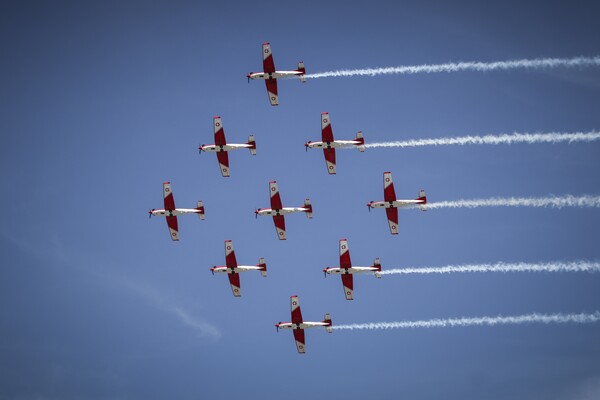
x,y
348,283
330,159
230,260
275,198
296,313
326,132
389,194
344,254
392,215
272,91
168,196
234,281
268,63
279,221
300,340
219,132
173,229
223,159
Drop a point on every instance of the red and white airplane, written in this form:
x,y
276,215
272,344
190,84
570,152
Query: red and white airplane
x,y
298,325
233,269
221,147
391,204
278,211
171,212
346,270
328,144
270,75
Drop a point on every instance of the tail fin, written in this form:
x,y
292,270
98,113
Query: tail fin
x,y
424,199
252,144
359,138
308,207
263,267
377,265
327,320
302,70
200,208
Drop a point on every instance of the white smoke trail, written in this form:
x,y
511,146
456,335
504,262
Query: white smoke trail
x,y
536,63
478,321
552,202
505,138
573,266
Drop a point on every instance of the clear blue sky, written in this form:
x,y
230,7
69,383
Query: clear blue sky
x,y
101,102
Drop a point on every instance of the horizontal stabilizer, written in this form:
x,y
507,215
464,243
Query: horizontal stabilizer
x,y
252,144
200,208
423,198
359,138
302,70
377,265
263,267
308,206
327,320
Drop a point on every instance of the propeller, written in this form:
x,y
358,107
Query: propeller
x,y
200,149
150,214
256,214
277,327
325,273
369,207
213,269
306,145
248,76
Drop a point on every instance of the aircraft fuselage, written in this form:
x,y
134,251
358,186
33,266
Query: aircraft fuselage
x,y
174,213
281,211
227,147
332,145
394,204
274,75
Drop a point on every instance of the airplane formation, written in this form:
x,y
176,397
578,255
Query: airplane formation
x,y
345,269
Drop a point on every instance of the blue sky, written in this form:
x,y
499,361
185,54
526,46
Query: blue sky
x,y
104,101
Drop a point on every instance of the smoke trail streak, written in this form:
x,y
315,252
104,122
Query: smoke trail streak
x,y
505,138
573,266
551,202
536,63
478,321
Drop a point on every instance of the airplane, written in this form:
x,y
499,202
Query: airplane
x,y
221,147
298,325
391,204
233,269
328,144
278,211
171,212
346,270
270,75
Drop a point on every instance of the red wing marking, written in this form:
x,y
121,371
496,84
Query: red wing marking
x,y
234,281
272,86
392,215
279,221
296,313
173,229
223,158
275,198
326,132
389,194
344,255
348,283
230,255
300,340
220,137
330,159
168,196
268,63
